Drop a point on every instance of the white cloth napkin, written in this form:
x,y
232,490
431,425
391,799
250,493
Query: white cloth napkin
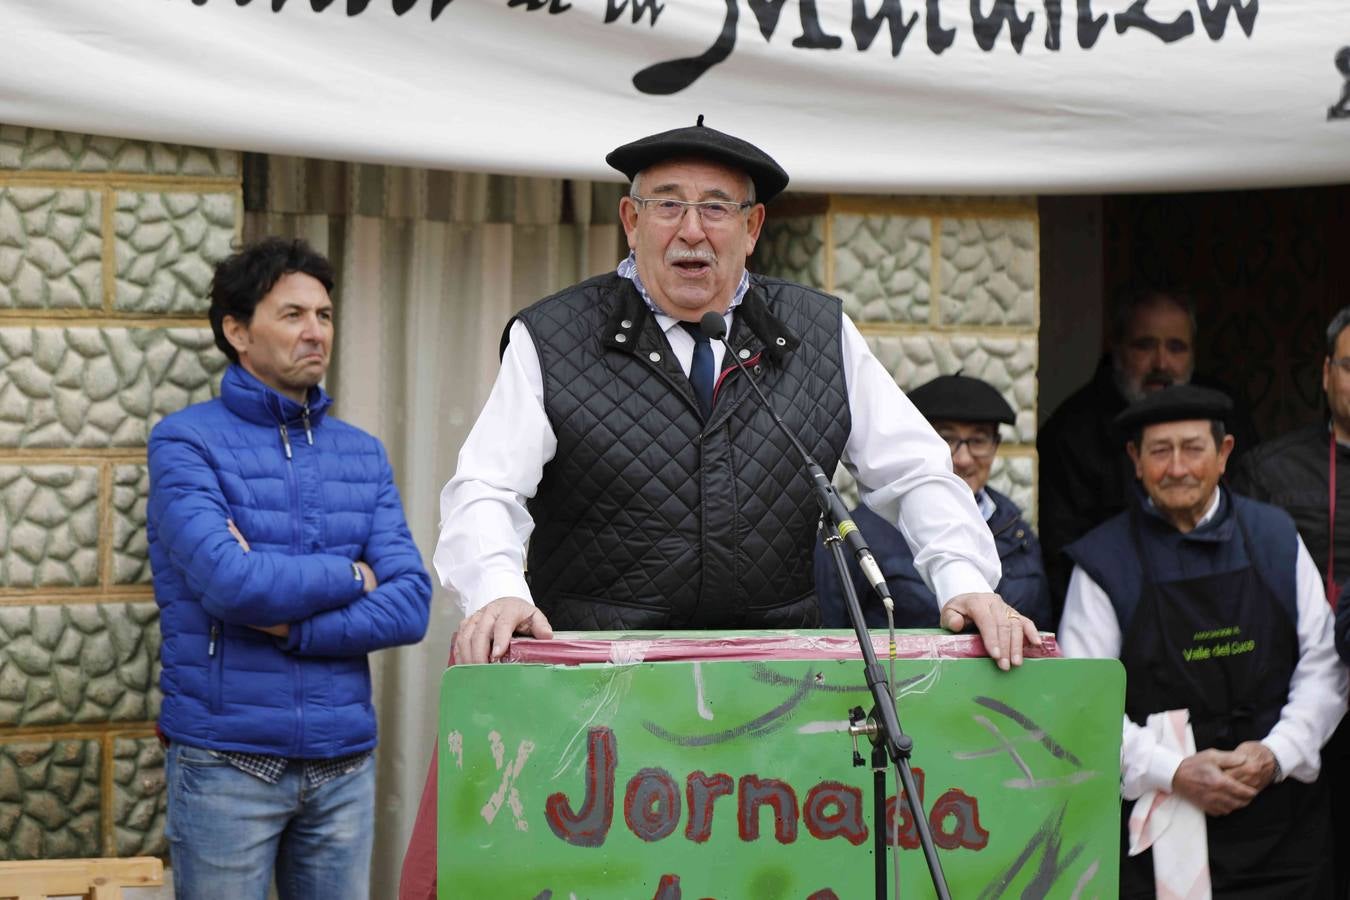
x,y
1175,828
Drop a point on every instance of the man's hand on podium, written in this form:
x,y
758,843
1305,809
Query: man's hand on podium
x,y
486,634
1002,628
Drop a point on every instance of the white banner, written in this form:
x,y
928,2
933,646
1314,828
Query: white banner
x,y
878,96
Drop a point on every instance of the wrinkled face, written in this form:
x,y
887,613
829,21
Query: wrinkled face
x,y
287,343
1156,350
1336,382
973,446
1180,467
690,266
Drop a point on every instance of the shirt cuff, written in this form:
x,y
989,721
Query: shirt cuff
x,y
1162,768
1286,754
492,586
956,578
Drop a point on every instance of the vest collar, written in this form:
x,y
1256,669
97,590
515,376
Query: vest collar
x,y
1219,528
754,327
251,400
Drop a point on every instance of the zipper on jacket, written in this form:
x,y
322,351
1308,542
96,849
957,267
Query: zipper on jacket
x,y
299,673
285,440
304,415
216,656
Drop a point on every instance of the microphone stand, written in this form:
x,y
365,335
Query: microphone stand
x,y
883,725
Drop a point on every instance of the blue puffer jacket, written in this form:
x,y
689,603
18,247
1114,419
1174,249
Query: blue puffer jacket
x,y
1023,585
310,494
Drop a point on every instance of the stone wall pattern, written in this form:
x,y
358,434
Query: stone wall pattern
x,y
107,248
882,267
1015,476
792,247
51,244
131,560
1009,364
139,801
988,272
99,387
79,663
167,247
49,799
48,526
38,148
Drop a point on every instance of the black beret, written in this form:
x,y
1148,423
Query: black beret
x,y
960,398
1178,403
702,142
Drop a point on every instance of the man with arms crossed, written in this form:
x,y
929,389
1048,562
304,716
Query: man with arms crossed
x,y
281,558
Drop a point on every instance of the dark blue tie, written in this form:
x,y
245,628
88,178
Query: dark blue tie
x,y
701,369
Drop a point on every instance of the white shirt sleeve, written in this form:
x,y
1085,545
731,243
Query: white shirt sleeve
x,y
480,554
484,522
1089,629
905,471
1317,690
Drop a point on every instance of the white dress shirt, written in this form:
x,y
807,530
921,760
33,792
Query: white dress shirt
x,y
1317,689
891,449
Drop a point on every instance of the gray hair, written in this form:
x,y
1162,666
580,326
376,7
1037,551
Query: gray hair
x,y
1132,300
1339,323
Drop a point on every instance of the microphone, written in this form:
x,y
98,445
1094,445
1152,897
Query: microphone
x,y
714,327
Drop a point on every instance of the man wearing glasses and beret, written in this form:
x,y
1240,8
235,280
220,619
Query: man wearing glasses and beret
x,y
652,487
966,413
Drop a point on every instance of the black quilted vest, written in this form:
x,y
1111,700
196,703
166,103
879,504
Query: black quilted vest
x,y
648,517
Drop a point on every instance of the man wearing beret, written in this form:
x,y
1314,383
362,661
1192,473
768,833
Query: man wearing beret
x,y
1085,479
966,413
653,488
1219,615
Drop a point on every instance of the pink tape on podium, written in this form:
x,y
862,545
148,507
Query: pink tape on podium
x,y
418,880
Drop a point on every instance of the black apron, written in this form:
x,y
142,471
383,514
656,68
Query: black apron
x,y
1223,647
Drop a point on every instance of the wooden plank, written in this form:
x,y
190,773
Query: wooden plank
x,y
101,879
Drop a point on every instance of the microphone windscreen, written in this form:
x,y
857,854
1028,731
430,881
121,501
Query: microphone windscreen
x,y
713,326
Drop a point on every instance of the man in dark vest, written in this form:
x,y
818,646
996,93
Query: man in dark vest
x,y
1218,613
966,413
653,488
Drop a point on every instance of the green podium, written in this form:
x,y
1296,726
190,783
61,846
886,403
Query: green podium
x,y
712,766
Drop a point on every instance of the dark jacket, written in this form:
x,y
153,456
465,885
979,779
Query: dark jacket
x,y
1290,472
650,517
1086,475
311,494
1023,583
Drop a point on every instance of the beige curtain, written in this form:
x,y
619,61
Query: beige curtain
x,y
430,267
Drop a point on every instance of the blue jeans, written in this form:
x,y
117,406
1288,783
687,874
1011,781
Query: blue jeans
x,y
228,830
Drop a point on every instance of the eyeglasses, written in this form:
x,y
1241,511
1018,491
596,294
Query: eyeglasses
x,y
980,446
711,212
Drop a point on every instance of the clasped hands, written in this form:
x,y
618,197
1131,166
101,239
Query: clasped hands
x,y
1219,782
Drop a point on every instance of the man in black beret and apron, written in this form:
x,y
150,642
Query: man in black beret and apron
x,y
966,413
1218,613
653,489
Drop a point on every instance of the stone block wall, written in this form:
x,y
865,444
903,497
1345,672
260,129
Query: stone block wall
x,y
106,251
936,285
